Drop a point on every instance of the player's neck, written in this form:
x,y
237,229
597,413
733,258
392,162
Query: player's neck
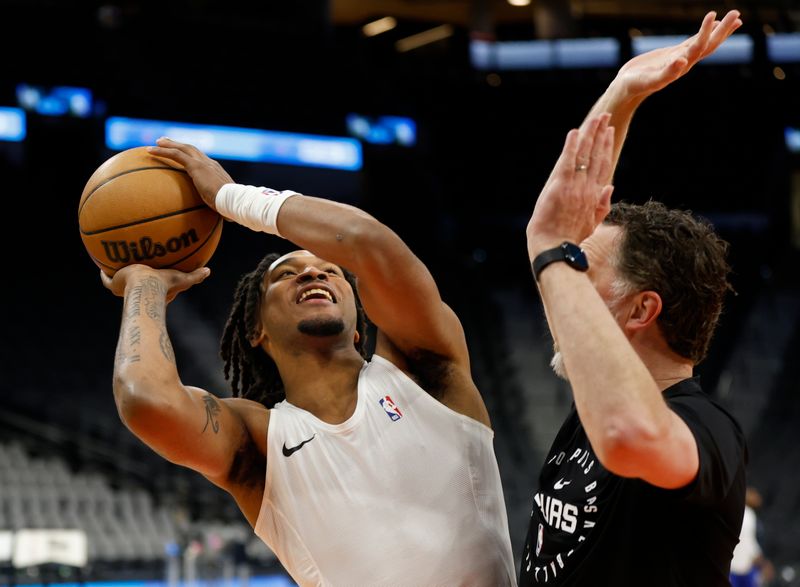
x,y
324,384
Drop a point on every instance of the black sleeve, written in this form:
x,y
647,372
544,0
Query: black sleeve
x,y
720,446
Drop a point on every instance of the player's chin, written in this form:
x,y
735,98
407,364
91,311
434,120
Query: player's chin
x,y
322,326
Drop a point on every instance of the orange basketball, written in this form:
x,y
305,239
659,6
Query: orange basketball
x,y
137,208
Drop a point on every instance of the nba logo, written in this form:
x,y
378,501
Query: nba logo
x,y
391,410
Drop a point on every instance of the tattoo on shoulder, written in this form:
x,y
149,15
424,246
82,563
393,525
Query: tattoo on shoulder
x,y
212,412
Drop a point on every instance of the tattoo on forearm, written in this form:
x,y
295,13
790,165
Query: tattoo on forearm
x,y
135,302
155,297
166,346
126,347
121,357
212,412
151,294
154,308
134,335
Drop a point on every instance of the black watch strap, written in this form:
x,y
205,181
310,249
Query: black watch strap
x,y
568,252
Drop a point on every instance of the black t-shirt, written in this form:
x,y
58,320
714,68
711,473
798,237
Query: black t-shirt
x,y
590,527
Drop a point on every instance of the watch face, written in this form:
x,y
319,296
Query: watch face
x,y
575,256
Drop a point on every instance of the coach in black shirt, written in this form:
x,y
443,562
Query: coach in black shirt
x,y
645,482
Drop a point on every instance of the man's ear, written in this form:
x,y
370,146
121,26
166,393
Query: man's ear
x,y
356,338
645,309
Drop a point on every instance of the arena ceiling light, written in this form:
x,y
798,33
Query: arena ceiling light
x,y
433,35
240,144
376,27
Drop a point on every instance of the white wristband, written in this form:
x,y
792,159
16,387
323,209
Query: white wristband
x,y
254,207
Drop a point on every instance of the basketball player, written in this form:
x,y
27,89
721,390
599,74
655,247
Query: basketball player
x,y
645,481
354,472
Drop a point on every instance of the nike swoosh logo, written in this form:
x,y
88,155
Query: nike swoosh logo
x,y
558,485
287,452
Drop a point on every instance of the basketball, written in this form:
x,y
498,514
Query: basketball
x,y
137,208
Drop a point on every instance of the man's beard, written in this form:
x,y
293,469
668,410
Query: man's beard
x,y
614,306
321,326
557,364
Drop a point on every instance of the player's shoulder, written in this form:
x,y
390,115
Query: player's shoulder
x,y
245,406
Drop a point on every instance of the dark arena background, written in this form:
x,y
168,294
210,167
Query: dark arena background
x,y
440,133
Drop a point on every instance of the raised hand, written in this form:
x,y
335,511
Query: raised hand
x,y
649,72
576,197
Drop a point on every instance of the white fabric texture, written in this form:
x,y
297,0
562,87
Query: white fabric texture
x,y
405,493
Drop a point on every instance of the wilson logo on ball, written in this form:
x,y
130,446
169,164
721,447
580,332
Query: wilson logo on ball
x,y
146,248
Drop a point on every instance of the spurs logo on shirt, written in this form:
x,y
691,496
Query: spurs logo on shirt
x,y
565,510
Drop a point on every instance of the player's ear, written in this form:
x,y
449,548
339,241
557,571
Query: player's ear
x,y
257,338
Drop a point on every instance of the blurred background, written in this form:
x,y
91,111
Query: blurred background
x,y
442,118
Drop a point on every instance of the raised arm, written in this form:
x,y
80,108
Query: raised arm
x,y
186,425
650,72
630,426
398,292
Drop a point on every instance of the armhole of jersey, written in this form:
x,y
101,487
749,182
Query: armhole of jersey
x,y
267,497
396,371
274,418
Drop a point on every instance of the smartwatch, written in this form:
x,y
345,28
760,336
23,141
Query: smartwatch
x,y
568,252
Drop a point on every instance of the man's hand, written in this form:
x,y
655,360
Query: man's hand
x,y
649,72
575,198
174,281
208,175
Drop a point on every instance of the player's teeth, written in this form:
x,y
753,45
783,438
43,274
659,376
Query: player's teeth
x,y
316,291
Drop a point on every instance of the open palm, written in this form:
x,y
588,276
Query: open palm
x,y
649,72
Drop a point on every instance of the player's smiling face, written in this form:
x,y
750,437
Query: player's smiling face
x,y
302,292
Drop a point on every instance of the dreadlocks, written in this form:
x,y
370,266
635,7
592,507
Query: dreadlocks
x,y
252,372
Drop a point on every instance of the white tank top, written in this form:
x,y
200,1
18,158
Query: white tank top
x,y
405,493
